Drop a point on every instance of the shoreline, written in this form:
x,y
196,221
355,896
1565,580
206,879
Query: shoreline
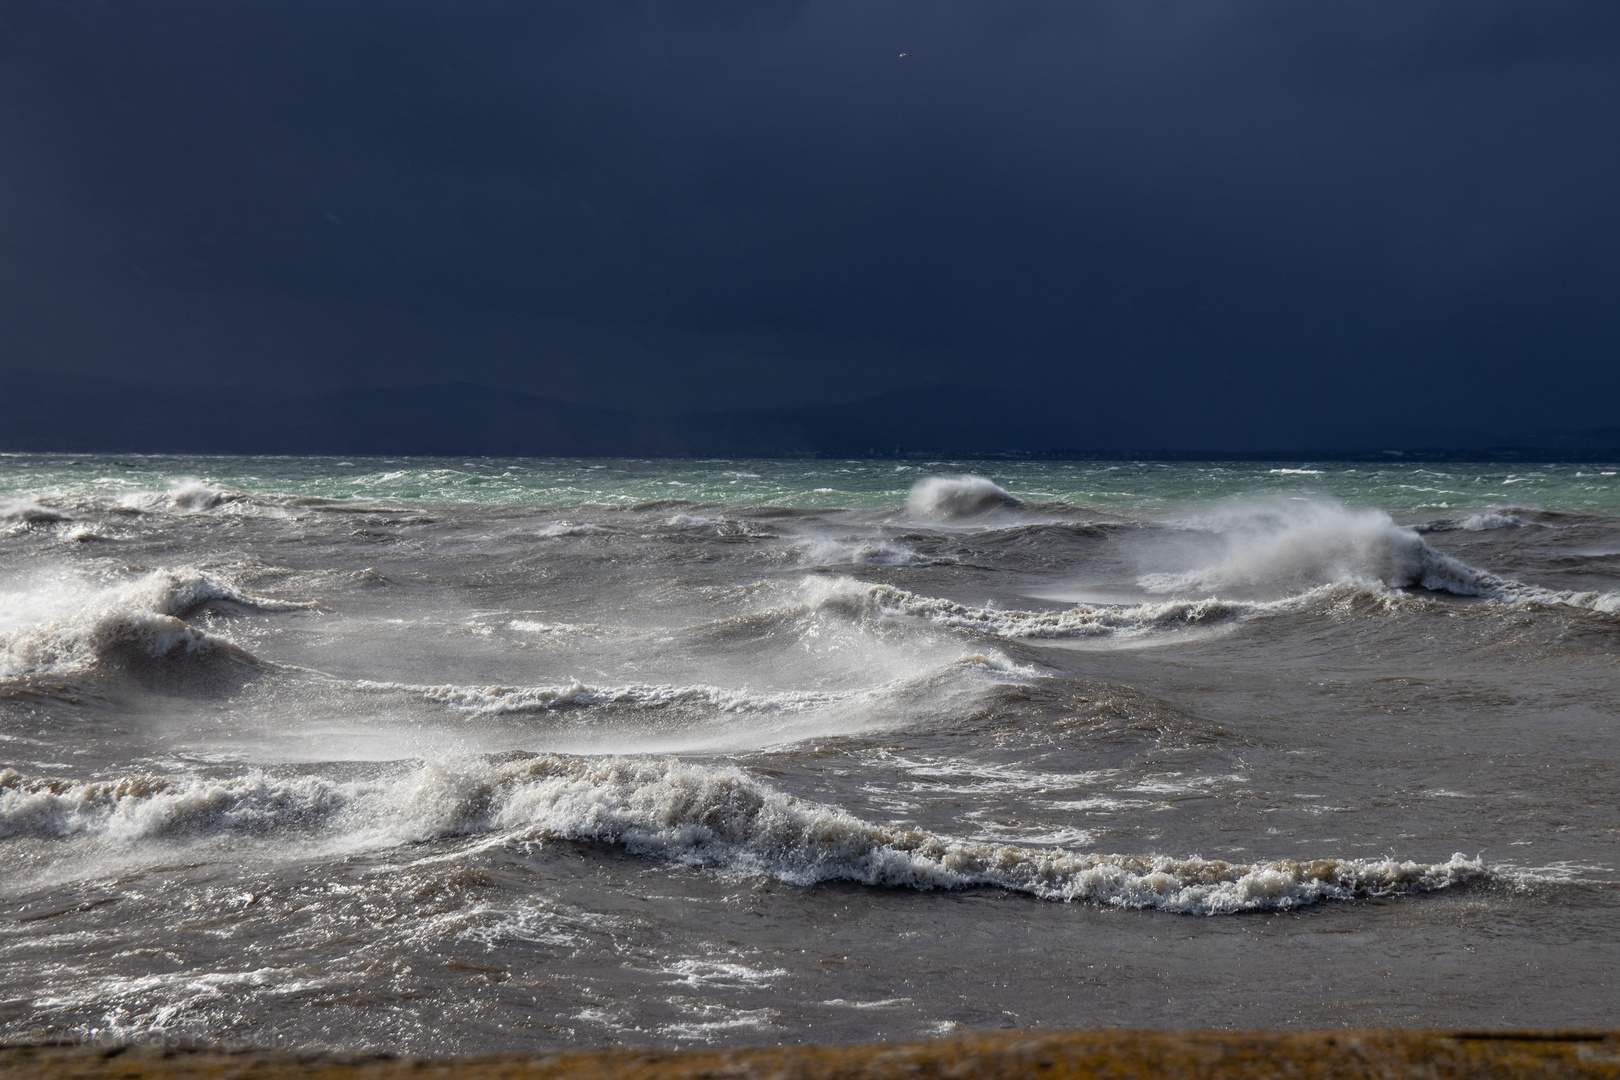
x,y
1109,1054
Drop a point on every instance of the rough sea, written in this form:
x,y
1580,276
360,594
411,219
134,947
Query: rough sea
x,y
449,756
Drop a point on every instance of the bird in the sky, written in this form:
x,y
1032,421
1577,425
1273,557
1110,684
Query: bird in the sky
x,y
904,55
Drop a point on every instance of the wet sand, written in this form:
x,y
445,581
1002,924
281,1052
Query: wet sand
x,y
1310,1055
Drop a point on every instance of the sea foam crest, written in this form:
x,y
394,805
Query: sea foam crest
x,y
717,818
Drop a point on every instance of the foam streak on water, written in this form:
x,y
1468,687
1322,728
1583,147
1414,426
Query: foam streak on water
x,y
484,755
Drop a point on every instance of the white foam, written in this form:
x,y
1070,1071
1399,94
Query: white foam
x,y
718,818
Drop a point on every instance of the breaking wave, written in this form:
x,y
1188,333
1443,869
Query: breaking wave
x,y
1294,547
715,818
958,498
139,625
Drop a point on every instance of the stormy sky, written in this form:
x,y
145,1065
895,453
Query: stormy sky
x,y
1171,219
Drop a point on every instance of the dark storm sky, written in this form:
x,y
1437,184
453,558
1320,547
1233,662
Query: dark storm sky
x,y
1172,217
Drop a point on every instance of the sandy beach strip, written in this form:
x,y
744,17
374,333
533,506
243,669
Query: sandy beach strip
x,y
1051,1055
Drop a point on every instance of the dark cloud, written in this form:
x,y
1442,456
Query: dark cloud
x,y
1175,215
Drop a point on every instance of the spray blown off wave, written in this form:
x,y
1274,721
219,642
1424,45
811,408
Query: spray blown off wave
x,y
718,818
1300,546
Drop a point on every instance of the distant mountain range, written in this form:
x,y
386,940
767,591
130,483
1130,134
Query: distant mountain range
x,y
67,414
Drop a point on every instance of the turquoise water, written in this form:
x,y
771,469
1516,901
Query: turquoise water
x,y
1400,489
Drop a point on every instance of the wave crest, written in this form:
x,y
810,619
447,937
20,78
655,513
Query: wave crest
x,y
715,818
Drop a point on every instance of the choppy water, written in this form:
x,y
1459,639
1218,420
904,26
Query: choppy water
x,y
475,755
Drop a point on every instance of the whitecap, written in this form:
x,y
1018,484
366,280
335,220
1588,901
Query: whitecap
x,y
719,818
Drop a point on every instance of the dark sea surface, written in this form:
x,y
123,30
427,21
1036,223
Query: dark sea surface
x,y
478,755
